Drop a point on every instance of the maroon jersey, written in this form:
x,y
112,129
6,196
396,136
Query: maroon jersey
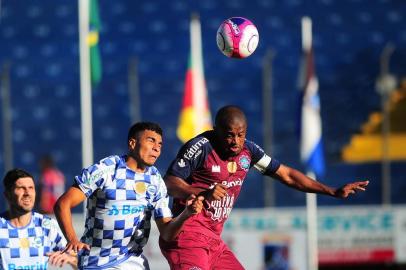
x,y
199,165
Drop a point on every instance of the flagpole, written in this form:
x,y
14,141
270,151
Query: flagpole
x,y
85,86
311,198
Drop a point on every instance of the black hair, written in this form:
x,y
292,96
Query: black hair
x,y
12,176
139,127
227,114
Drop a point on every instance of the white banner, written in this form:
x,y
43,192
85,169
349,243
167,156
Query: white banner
x,y
275,238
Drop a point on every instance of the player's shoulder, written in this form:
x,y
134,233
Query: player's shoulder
x,y
111,160
152,170
252,146
3,220
43,221
107,164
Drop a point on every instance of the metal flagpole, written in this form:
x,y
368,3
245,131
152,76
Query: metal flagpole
x,y
85,86
385,84
311,198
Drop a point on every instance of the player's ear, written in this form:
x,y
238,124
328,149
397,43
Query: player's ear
x,y
132,143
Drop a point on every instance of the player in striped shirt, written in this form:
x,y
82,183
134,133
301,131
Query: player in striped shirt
x,y
123,193
28,240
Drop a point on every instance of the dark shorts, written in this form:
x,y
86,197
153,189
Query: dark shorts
x,y
195,251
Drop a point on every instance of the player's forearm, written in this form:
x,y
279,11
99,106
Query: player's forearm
x,y
178,188
299,181
63,215
173,228
307,184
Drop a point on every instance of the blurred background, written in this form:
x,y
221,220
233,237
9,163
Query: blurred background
x,y
359,49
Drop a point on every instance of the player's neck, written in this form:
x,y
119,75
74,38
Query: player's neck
x,y
19,219
134,165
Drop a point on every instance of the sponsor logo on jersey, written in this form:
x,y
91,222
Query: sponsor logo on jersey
x,y
105,172
125,210
46,223
222,208
244,162
232,167
215,168
194,151
181,163
37,266
237,182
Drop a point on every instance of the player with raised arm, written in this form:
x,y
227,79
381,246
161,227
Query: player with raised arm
x,y
214,164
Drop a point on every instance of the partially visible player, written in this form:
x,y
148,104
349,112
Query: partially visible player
x,y
122,192
214,164
28,240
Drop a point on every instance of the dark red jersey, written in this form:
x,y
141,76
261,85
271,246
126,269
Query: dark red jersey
x,y
201,166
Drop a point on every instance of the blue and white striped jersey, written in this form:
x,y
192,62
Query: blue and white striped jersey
x,y
26,247
119,208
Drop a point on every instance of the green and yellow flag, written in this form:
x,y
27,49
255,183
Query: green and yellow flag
x,y
93,41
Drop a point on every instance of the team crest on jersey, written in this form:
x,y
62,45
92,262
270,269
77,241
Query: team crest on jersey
x,y
24,242
140,187
36,242
244,162
231,167
152,189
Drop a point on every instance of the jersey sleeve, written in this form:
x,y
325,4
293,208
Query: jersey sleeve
x,y
96,176
261,161
57,239
190,156
162,209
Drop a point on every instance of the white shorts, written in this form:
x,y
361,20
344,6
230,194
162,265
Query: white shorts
x,y
133,263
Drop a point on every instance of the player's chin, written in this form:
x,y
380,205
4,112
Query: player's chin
x,y
150,161
234,151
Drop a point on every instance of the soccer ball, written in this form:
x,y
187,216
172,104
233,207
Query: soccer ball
x,y
237,37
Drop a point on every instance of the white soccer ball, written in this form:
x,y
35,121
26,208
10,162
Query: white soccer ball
x,y
237,37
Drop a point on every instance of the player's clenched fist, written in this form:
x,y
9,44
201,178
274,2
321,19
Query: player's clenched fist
x,y
194,204
217,192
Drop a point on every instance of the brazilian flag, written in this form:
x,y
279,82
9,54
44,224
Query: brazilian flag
x,y
93,41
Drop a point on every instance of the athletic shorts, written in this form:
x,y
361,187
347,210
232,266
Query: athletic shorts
x,y
195,251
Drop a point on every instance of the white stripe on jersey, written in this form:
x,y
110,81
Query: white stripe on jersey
x,y
263,163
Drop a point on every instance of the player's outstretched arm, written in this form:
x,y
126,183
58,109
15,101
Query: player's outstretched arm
x,y
71,198
298,180
169,228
